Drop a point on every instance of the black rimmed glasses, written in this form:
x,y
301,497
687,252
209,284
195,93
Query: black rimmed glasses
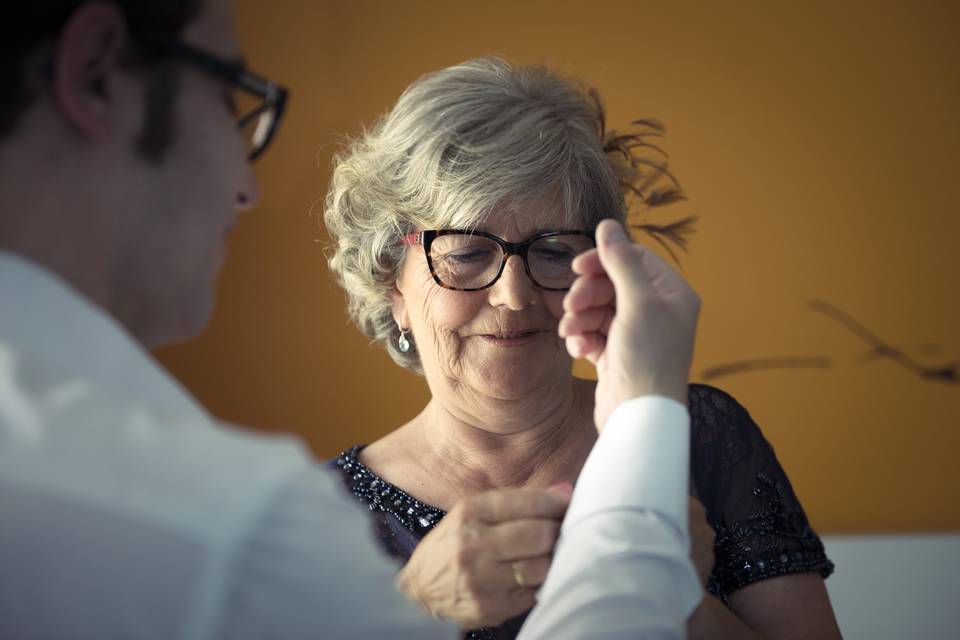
x,y
474,260
258,104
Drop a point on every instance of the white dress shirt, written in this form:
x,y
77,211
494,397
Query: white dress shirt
x,y
127,512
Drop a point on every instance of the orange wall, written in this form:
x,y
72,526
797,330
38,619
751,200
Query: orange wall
x,y
818,143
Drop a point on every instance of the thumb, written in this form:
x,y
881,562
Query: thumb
x,y
622,260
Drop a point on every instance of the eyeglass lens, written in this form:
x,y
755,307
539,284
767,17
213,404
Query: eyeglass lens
x,y
465,261
255,119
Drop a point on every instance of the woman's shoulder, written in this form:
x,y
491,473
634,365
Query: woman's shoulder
x,y
706,401
716,415
380,455
762,529
727,446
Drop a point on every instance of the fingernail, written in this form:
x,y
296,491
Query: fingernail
x,y
564,488
614,234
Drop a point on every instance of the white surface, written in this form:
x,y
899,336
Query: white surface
x,y
896,586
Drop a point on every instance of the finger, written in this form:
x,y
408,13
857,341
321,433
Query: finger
x,y
636,273
525,573
595,320
520,599
621,258
587,263
496,604
564,486
527,538
587,345
532,572
589,291
502,505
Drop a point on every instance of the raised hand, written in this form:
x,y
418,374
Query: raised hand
x,y
634,317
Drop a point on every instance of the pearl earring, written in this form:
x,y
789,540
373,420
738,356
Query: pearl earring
x,y
402,341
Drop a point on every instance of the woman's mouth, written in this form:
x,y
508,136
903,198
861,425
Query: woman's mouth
x,y
514,339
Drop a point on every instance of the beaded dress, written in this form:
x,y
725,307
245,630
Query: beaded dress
x,y
761,529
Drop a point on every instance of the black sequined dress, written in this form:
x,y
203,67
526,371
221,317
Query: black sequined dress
x,y
761,528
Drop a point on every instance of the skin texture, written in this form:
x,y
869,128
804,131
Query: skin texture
x,y
142,240
500,417
472,379
611,323
635,318
702,538
650,350
501,543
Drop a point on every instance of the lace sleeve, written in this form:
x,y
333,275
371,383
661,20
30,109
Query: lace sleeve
x,y
761,529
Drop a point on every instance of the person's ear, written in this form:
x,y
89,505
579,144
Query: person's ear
x,y
400,313
86,60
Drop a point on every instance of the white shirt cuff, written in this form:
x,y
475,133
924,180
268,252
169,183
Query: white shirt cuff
x,y
640,461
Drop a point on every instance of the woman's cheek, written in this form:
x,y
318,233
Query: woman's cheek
x,y
450,311
440,317
553,300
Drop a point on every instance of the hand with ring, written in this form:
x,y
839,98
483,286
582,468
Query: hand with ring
x,y
486,559
518,574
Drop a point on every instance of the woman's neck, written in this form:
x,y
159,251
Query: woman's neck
x,y
515,444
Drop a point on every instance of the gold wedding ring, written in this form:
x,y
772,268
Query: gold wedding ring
x,y
517,575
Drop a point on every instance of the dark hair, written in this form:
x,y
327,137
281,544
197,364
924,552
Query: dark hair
x,y
39,24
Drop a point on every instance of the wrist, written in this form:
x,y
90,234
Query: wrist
x,y
676,388
648,408
405,585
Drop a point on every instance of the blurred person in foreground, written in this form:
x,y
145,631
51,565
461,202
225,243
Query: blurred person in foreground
x,y
127,511
456,220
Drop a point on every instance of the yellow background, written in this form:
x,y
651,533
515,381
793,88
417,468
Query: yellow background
x,y
819,143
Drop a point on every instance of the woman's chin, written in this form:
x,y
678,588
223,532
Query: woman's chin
x,y
514,373
513,383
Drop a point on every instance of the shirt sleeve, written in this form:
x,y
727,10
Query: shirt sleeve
x,y
307,571
622,566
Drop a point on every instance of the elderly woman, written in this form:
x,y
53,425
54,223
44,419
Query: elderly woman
x,y
455,220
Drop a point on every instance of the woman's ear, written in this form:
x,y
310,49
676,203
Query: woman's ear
x,y
86,61
399,304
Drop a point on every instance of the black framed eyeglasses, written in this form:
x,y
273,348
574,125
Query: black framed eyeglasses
x,y
259,105
474,260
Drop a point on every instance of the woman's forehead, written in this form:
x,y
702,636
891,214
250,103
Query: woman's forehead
x,y
528,218
518,227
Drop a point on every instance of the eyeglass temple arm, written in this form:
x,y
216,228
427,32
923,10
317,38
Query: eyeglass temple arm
x,y
412,238
255,84
236,73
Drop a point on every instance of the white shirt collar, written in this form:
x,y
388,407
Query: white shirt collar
x,y
45,318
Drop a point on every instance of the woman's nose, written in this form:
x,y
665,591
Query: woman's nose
x,y
513,289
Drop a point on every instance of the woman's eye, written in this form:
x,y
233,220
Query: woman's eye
x,y
467,257
555,255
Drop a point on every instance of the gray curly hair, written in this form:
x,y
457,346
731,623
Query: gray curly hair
x,y
463,141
